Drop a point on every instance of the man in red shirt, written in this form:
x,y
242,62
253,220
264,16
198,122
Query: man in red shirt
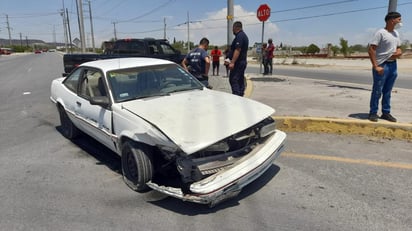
x,y
216,53
270,49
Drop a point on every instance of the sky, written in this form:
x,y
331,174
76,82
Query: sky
x,y
292,22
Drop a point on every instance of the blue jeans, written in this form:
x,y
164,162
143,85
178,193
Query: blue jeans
x,y
382,86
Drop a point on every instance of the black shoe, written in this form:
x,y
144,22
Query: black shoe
x,y
388,117
373,117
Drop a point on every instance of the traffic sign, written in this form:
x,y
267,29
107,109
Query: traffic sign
x,y
263,12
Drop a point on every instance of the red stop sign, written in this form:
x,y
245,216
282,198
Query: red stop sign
x,y
263,12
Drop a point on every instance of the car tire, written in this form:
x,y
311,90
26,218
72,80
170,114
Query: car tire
x,y
68,129
137,166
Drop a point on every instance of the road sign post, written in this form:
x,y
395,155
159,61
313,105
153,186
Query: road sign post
x,y
263,14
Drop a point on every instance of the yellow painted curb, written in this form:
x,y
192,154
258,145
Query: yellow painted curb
x,y
344,126
249,87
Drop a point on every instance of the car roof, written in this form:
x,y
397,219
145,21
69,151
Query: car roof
x,y
124,63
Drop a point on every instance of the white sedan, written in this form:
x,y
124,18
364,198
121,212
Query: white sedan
x,y
173,134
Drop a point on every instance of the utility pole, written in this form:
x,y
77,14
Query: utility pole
x,y
64,28
188,30
230,16
81,25
70,33
164,30
392,5
54,35
91,26
8,28
188,33
114,30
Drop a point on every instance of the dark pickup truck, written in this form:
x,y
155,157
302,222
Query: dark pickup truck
x,y
154,48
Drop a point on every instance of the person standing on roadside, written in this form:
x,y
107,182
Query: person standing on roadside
x,y
264,51
383,51
238,59
269,56
216,53
197,62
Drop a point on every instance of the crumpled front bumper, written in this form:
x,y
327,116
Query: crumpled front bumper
x,y
228,183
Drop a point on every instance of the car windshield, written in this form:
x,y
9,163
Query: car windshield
x,y
143,82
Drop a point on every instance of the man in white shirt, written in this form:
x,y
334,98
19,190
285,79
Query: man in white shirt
x,y
383,51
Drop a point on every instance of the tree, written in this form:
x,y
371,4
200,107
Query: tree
x,y
344,47
335,50
358,48
405,44
312,49
178,45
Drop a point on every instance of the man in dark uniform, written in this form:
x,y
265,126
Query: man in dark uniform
x,y
238,59
197,62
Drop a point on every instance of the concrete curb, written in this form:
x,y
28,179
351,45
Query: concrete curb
x,y
249,87
380,129
345,126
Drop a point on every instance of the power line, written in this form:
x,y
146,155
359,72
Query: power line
x,y
147,13
335,13
35,15
313,6
173,28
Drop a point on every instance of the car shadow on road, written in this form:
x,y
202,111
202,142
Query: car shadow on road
x,y
194,209
103,155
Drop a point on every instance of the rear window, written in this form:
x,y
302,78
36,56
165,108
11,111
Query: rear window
x,y
129,47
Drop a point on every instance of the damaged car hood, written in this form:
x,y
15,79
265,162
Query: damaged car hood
x,y
196,119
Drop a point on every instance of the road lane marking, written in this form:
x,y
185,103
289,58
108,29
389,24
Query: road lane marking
x,y
349,160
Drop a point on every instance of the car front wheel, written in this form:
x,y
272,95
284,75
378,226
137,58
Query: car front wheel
x,y
137,166
68,129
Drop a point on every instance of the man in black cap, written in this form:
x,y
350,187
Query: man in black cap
x,y
383,51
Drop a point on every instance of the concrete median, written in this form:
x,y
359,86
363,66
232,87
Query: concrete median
x,y
344,126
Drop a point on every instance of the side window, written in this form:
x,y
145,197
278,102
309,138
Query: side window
x,y
137,47
72,80
167,49
153,49
92,84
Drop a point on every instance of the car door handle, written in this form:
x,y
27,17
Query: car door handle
x,y
78,103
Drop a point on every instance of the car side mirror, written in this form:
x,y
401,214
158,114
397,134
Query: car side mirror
x,y
100,100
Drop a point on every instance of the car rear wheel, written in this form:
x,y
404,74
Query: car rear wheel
x,y
68,129
137,166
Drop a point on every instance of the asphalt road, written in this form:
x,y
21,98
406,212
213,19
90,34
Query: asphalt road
x,y
321,182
